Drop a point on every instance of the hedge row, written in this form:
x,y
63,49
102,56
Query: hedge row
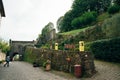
x,y
108,50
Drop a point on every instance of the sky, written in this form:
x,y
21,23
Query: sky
x,y
26,18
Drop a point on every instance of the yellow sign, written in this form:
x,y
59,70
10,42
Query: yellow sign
x,y
56,46
81,46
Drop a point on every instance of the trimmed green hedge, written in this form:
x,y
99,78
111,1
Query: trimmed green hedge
x,y
108,50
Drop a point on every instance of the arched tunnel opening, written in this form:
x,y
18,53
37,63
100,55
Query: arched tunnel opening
x,y
16,57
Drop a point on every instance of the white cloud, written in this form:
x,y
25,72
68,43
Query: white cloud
x,y
25,18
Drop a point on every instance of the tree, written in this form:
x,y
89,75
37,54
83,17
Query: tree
x,y
66,23
79,7
4,46
113,9
85,19
117,2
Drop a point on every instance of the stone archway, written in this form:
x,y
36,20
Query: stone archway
x,y
16,55
18,47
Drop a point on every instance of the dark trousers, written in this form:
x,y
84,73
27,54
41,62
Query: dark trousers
x,y
6,64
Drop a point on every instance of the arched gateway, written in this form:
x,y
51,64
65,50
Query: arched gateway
x,y
18,47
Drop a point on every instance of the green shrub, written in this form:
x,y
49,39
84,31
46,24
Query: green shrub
x,y
44,64
76,22
85,19
107,50
111,27
88,17
87,46
113,9
28,56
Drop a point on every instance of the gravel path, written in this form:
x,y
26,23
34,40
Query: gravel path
x,y
25,71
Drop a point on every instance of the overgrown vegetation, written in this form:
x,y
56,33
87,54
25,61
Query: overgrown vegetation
x,y
4,46
85,19
107,50
117,2
113,9
108,29
102,17
89,21
111,27
74,17
73,32
60,60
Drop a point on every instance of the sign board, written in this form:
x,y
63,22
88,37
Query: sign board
x,y
81,46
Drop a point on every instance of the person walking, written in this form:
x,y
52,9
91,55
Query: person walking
x,y
7,61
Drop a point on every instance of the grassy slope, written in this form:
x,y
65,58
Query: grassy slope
x,y
100,19
73,32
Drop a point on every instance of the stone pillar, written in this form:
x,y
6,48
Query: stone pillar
x,y
87,62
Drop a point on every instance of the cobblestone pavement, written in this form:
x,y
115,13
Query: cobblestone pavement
x,y
106,71
25,71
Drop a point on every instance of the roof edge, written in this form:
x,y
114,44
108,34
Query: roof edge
x,y
2,9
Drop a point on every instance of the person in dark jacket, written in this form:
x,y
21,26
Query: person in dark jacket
x,y
7,61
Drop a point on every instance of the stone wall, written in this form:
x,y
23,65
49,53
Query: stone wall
x,y
62,60
19,47
16,45
2,56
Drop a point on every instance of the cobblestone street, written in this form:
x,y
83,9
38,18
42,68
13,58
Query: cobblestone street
x,y
106,71
25,71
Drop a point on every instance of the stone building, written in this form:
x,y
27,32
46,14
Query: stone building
x,y
51,34
18,47
48,34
